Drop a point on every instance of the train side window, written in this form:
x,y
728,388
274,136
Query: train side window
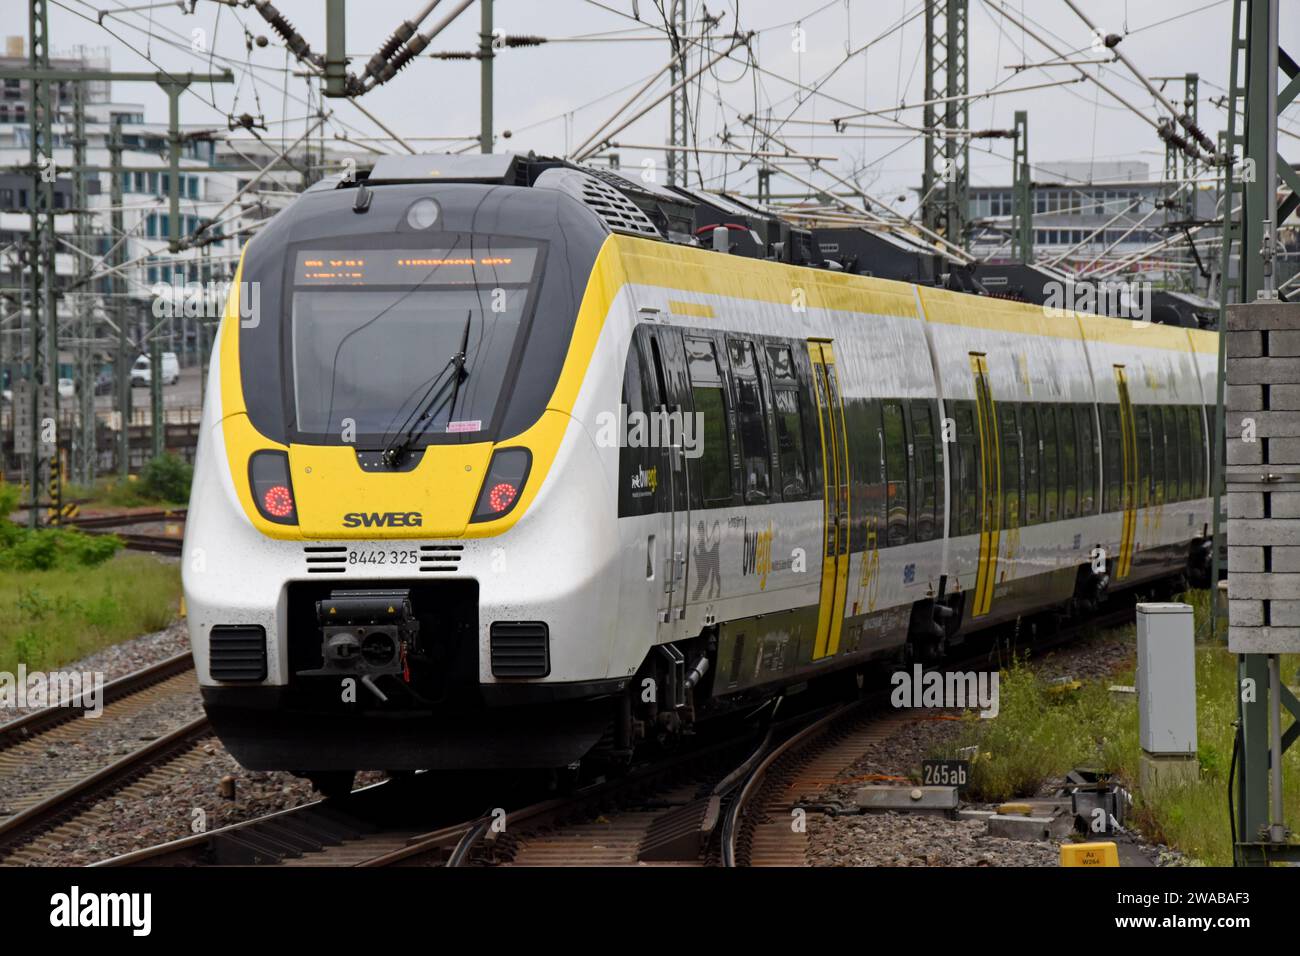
x,y
1069,444
639,394
702,360
926,462
1051,463
1156,453
1033,460
711,405
1142,438
751,422
1009,432
789,441
1112,461
791,451
1087,461
866,471
896,480
1212,438
966,499
1184,452
1198,452
1172,455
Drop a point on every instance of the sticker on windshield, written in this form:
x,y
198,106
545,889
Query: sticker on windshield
x,y
475,426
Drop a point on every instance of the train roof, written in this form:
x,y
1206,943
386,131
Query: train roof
x,y
631,204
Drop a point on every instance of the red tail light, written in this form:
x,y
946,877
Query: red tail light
x,y
268,474
278,501
505,480
502,496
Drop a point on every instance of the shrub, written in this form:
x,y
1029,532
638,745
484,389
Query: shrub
x,y
167,478
22,549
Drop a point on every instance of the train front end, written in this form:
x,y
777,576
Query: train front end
x,y
389,562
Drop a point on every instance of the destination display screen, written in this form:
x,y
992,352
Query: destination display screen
x,y
406,267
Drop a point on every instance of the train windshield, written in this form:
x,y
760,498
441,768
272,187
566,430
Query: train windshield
x,y
374,333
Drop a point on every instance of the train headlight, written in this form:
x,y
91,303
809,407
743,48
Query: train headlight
x,y
268,474
504,482
422,214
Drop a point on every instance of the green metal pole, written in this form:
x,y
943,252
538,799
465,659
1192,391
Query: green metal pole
x,y
85,459
173,91
485,74
336,58
117,296
1022,231
45,317
156,423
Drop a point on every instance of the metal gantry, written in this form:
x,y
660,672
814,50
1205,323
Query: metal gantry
x,y
117,298
1251,181
40,394
679,102
85,446
43,354
945,177
1022,199
1182,169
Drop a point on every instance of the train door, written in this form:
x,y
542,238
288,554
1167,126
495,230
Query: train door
x,y
663,353
1129,458
835,499
990,504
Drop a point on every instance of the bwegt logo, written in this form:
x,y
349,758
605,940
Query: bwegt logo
x,y
205,300
952,690
659,429
55,689
1123,300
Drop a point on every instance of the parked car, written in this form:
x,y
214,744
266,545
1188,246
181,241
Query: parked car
x,y
141,372
67,388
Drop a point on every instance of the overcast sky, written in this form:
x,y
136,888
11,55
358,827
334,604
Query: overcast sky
x,y
552,96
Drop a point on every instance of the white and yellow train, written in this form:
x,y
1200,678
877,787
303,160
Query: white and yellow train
x,y
491,474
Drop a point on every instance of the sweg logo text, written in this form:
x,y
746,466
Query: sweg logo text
x,y
383,519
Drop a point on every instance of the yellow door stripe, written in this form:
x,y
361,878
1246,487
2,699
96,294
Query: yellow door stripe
x,y
829,491
990,487
833,433
844,504
1129,458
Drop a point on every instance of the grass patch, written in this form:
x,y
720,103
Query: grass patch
x,y
163,481
1039,735
48,618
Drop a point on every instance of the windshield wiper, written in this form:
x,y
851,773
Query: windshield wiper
x,y
396,451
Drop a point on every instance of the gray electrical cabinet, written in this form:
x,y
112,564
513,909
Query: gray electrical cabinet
x,y
1166,678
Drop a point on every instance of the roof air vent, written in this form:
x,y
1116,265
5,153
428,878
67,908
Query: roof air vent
x,y
611,205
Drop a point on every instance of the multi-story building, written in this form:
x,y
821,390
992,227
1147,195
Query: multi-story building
x,y
1086,213
214,167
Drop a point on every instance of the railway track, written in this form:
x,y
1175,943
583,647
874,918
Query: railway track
x,y
135,541
29,750
377,827
757,830
122,519
727,801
